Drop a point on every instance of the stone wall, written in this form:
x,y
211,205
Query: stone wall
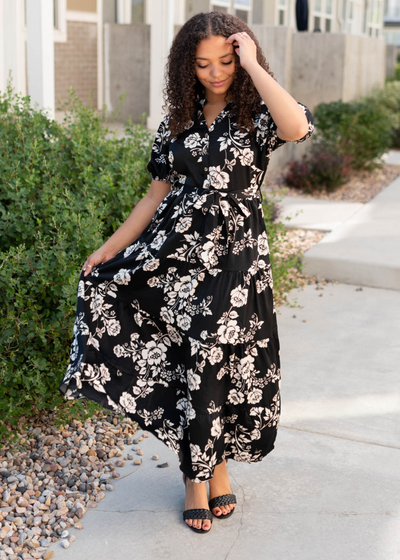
x,y
76,63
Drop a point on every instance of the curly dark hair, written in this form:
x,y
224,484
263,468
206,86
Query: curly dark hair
x,y
182,85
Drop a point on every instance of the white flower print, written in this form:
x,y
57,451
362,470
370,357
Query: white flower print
x,y
184,321
193,380
254,396
122,277
192,141
151,265
219,179
246,157
235,397
229,333
113,327
263,247
247,366
81,289
96,305
186,406
166,315
207,255
216,429
255,434
239,296
184,224
216,355
127,402
158,240
174,335
185,286
154,353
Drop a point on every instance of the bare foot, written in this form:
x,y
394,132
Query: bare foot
x,y
220,485
196,497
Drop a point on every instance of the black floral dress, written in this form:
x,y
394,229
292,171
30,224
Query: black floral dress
x,y
178,331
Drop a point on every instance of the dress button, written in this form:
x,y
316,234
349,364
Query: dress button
x,y
206,169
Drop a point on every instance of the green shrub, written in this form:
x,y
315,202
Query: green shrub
x,y
388,98
64,190
361,130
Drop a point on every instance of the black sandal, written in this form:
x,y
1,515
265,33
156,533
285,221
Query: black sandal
x,y
197,513
223,500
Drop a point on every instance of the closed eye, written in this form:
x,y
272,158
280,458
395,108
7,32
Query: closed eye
x,y
224,63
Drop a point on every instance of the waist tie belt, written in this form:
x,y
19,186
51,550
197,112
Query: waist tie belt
x,y
213,197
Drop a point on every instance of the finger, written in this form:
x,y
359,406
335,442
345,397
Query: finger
x,y
233,38
88,269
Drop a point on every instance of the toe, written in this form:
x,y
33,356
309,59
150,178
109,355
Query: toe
x,y
206,525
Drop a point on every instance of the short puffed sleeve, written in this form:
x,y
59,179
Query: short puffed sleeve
x,y
159,165
266,128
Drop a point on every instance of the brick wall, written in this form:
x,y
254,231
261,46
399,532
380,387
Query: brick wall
x,y
76,63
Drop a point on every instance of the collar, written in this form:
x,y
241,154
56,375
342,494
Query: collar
x,y
201,100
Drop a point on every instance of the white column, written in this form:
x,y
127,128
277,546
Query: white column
x,y
12,45
160,15
124,11
100,57
40,49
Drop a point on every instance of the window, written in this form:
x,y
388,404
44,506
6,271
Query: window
x,y
282,12
240,8
317,23
137,11
374,18
323,14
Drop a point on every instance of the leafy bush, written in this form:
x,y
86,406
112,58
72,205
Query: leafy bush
x,y
64,190
389,99
321,169
361,130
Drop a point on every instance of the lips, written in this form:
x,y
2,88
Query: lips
x,y
218,84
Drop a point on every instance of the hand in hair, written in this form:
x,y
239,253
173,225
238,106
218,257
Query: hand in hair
x,y
245,48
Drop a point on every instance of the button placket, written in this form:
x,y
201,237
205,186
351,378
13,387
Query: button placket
x,y
206,154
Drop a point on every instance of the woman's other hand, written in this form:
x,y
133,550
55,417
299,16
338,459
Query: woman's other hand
x,y
98,257
245,48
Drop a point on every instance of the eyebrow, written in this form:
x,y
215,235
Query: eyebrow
x,y
201,58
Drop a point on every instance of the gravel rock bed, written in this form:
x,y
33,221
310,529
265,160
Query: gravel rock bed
x,y
296,242
362,186
53,476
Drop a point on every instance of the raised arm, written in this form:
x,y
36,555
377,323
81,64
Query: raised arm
x,y
290,119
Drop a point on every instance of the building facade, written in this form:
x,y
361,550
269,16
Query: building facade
x,y
86,36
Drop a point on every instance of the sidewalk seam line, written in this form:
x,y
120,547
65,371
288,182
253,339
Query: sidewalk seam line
x,y
339,437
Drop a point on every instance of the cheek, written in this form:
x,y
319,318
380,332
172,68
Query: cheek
x,y
201,74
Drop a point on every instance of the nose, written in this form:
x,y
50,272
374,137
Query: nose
x,y
215,72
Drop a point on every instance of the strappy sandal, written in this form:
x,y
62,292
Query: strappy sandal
x,y
197,513
223,500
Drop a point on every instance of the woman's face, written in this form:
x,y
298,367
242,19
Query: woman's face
x,y
215,65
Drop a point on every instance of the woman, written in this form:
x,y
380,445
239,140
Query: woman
x,y
176,326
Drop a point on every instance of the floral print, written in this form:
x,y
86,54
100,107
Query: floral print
x,y
178,331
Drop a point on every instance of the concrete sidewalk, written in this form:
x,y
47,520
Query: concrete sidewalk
x,y
365,248
309,213
362,243
330,488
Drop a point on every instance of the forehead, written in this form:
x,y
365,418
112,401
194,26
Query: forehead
x,y
213,48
